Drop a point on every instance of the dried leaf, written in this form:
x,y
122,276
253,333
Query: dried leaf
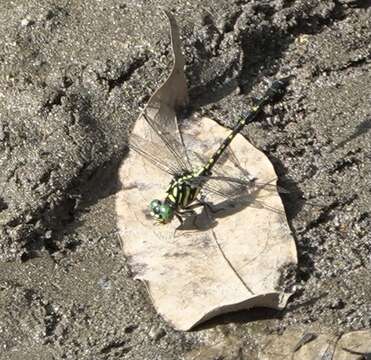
x,y
219,262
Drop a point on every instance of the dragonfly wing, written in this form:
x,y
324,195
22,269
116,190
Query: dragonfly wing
x,y
235,190
154,154
165,130
235,186
161,140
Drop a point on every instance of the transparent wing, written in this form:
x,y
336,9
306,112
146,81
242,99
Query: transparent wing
x,y
230,187
231,182
162,144
165,126
154,154
237,191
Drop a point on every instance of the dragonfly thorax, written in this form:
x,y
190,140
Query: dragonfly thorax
x,y
183,190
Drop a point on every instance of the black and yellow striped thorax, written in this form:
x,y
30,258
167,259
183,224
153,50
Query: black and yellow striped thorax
x,y
181,191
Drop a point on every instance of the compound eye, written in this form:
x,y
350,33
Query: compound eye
x,y
155,206
166,212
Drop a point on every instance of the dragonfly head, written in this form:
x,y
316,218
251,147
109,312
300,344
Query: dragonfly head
x,y
161,211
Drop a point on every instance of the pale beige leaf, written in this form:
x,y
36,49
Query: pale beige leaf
x,y
224,262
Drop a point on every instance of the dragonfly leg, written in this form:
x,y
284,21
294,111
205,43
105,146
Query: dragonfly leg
x,y
202,202
208,211
190,210
187,212
207,205
179,218
182,220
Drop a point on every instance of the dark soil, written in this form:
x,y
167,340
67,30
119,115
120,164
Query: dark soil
x,y
74,76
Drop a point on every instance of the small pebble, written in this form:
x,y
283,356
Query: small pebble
x,y
27,21
156,333
104,283
130,328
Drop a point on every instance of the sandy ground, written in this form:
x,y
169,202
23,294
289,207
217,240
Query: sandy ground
x,y
74,76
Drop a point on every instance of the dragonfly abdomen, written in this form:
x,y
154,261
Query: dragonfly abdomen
x,y
275,89
218,153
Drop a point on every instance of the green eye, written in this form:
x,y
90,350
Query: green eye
x,y
155,205
166,212
161,212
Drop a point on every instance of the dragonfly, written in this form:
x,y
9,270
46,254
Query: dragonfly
x,y
186,190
